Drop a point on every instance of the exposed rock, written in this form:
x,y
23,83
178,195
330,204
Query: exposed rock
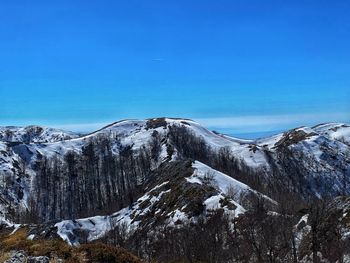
x,y
17,257
43,231
40,259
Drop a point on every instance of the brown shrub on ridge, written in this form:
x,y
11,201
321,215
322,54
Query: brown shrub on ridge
x,y
94,253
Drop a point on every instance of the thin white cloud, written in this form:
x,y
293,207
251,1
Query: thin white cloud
x,y
256,123
158,59
81,127
240,124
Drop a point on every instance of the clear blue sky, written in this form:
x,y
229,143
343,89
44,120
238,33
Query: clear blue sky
x,y
236,66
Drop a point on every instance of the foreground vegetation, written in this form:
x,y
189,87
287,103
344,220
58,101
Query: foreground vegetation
x,y
57,249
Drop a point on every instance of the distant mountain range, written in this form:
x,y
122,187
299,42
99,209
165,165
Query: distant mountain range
x,y
144,176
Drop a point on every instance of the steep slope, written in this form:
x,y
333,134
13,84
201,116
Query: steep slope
x,y
13,182
179,193
309,161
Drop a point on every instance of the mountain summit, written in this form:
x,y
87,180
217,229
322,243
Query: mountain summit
x,y
147,175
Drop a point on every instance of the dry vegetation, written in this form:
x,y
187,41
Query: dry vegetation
x,y
95,252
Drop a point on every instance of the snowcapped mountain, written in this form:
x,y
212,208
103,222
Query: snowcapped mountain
x,y
147,174
34,134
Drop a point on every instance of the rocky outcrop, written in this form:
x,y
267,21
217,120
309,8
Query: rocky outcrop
x,y
17,257
40,259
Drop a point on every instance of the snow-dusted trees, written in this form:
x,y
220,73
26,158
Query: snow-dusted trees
x,y
118,234
191,146
256,236
326,239
155,146
95,181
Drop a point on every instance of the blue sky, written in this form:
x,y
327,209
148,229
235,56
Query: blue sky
x,y
236,66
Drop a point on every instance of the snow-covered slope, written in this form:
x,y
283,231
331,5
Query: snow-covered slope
x,y
319,157
34,134
137,133
152,209
133,133
335,131
12,186
305,160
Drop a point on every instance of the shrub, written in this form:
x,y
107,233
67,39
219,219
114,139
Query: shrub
x,y
96,252
99,252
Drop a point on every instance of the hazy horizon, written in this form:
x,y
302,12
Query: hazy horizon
x,y
230,127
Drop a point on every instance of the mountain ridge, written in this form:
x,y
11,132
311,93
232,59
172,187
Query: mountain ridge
x,y
145,175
